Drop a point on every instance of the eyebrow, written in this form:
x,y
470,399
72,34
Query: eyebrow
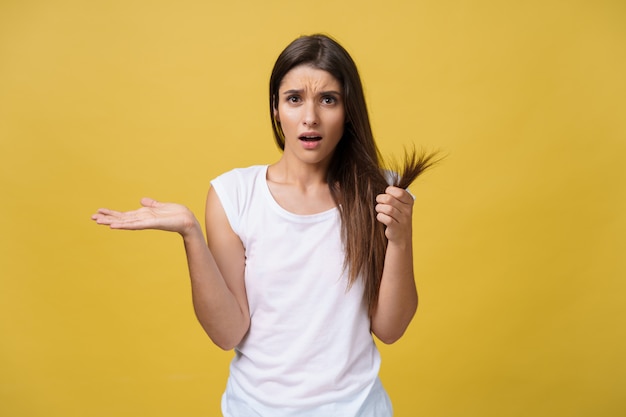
x,y
322,93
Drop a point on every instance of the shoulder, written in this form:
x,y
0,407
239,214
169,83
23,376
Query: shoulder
x,y
238,180
241,174
235,189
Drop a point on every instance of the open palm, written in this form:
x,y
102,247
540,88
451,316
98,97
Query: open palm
x,y
152,215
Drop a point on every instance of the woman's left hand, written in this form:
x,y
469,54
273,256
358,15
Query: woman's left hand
x,y
395,210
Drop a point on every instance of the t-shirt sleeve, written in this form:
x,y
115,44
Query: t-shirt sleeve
x,y
226,187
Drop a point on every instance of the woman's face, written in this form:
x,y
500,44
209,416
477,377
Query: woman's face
x,y
311,113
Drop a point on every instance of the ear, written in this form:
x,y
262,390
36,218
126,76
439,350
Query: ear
x,y
276,115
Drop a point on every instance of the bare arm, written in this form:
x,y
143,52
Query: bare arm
x,y
233,322
218,295
397,299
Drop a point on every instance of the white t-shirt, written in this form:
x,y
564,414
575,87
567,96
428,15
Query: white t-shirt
x,y
309,350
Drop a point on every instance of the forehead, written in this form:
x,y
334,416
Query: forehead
x,y
308,77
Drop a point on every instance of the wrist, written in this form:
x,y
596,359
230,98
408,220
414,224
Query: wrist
x,y
191,228
401,244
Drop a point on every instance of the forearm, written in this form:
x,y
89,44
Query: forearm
x,y
215,305
397,299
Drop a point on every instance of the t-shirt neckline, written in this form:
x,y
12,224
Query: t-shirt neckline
x,y
281,210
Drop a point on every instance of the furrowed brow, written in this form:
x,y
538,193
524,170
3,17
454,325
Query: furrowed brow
x,y
322,93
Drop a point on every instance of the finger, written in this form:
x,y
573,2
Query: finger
x,y
107,212
389,211
136,219
400,194
139,224
385,219
106,216
104,213
394,230
149,202
389,198
100,219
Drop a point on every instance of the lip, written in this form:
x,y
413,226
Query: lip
x,y
310,140
311,136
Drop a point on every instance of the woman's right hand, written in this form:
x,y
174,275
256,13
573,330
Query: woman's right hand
x,y
153,215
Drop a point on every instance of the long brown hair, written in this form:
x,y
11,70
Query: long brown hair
x,y
356,173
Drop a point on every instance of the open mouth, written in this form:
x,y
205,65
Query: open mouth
x,y
310,138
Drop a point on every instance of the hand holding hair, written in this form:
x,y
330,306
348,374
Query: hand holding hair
x,y
153,214
395,209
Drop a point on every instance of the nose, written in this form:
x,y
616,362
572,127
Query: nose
x,y
310,115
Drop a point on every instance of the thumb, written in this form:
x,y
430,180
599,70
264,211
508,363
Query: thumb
x,y
149,202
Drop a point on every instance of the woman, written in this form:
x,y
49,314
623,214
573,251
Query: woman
x,y
307,257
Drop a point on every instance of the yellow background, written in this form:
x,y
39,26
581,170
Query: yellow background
x,y
520,232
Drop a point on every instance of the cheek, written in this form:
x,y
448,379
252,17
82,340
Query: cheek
x,y
287,114
339,123
285,118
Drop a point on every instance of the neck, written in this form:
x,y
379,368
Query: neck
x,y
300,175
299,188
